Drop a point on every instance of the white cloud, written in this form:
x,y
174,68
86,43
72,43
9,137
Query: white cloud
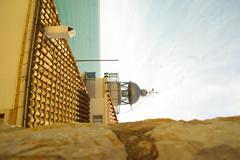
x,y
189,51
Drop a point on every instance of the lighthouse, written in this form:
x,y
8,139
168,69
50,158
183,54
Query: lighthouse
x,y
108,94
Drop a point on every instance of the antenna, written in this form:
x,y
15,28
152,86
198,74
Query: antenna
x,y
152,92
96,60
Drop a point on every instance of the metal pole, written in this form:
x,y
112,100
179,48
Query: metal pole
x,y
96,60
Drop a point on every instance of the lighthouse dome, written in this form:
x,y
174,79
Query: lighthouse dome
x,y
134,92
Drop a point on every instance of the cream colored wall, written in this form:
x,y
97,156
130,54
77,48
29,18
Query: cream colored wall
x,y
95,87
98,104
13,15
97,107
99,87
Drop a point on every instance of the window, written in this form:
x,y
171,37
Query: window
x,y
1,118
90,75
97,118
124,93
1,115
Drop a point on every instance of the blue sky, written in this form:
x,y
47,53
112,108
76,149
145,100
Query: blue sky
x,y
187,50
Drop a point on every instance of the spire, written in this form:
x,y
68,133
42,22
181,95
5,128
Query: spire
x,y
151,92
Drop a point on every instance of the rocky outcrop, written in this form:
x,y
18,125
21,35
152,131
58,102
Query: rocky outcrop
x,y
198,140
79,141
163,139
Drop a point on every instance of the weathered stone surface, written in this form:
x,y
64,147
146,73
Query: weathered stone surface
x,y
81,141
138,144
166,139
216,139
163,139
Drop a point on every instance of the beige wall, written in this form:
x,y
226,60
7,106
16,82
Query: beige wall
x,y
99,87
13,15
97,107
95,87
98,104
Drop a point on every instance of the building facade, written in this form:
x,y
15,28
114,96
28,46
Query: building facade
x,y
102,109
40,81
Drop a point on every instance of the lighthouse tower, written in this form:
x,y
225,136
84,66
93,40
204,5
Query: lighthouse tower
x,y
108,94
123,93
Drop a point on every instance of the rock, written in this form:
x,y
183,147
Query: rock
x,y
166,139
216,139
163,139
134,136
79,141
